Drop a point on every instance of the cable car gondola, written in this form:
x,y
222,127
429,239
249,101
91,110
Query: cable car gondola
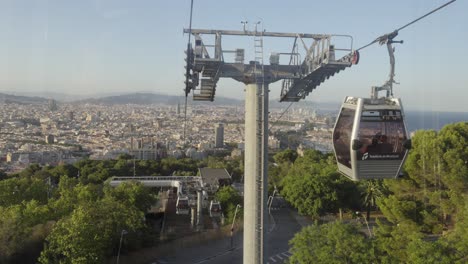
x,y
370,138
182,206
215,209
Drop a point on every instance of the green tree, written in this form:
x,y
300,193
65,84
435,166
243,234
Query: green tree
x,y
276,174
15,190
285,156
371,191
428,252
133,194
431,193
123,168
169,165
331,243
3,175
458,239
229,198
278,170
403,243
22,230
64,170
9,192
90,233
314,187
71,194
29,171
391,241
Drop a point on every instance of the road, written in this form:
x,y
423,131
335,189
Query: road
x,y
283,225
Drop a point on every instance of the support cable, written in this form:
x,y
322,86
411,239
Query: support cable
x,y
384,38
187,88
279,118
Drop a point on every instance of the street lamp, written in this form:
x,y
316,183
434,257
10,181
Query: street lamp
x,y
232,225
124,232
270,200
358,214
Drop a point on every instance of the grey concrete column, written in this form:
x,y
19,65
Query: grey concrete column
x,y
255,178
199,209
264,176
192,216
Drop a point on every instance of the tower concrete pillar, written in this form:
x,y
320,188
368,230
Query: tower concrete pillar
x,y
255,171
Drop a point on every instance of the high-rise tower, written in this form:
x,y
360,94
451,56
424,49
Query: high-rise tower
x,y
52,105
219,136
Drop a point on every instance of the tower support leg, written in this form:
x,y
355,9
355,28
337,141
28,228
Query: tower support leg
x,y
255,172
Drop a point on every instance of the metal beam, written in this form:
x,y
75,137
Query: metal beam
x,y
245,72
255,33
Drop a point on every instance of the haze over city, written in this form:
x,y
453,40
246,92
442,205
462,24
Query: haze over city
x,y
112,47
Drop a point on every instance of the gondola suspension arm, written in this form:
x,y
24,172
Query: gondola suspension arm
x,y
388,85
388,40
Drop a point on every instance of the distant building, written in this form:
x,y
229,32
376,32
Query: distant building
x,y
205,145
178,109
159,123
300,150
142,143
241,146
41,157
273,142
219,136
52,105
147,154
195,154
91,118
177,153
49,139
139,143
71,115
131,128
313,115
236,153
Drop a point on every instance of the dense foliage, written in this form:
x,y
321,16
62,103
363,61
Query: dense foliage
x,y
314,187
229,199
425,213
332,243
79,218
68,214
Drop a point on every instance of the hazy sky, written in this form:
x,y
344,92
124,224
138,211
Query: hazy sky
x,y
91,46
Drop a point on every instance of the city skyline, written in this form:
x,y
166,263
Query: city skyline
x,y
116,47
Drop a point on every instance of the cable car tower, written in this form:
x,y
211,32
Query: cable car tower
x,y
207,63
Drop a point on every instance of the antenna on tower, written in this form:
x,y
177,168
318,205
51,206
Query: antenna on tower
x,y
245,24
